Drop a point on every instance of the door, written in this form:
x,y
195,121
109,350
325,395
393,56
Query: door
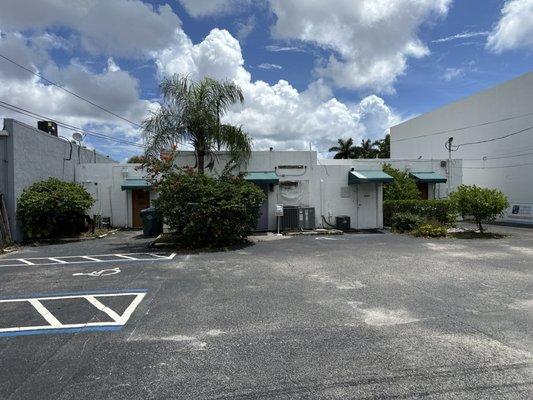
x,y
140,199
424,190
262,221
367,206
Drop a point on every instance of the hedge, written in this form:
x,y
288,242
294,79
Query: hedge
x,y
438,210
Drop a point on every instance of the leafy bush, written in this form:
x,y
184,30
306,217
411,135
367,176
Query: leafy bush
x,y
53,208
430,229
405,222
208,212
481,203
438,210
403,188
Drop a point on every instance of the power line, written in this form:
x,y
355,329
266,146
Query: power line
x,y
69,91
463,128
34,115
499,166
456,147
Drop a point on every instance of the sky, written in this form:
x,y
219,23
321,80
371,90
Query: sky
x,y
311,71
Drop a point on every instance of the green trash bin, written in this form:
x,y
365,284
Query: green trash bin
x,y
152,224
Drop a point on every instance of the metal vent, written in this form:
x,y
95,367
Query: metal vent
x,y
306,218
290,218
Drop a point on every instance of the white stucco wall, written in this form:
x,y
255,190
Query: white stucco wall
x,y
29,155
508,163
104,182
325,184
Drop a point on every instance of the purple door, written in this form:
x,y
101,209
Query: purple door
x,y
262,221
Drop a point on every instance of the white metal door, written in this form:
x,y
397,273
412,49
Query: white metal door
x,y
367,209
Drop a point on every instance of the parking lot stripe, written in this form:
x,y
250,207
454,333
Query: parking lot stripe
x,y
25,261
91,258
57,260
127,257
53,321
103,308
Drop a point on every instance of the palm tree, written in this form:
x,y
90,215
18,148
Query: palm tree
x,y
345,149
190,113
367,149
383,146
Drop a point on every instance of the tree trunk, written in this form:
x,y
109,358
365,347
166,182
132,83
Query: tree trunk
x,y
480,226
201,161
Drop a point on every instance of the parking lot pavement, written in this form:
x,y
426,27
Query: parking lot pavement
x,y
354,316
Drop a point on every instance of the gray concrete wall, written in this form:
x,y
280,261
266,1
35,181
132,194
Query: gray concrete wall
x,y
33,155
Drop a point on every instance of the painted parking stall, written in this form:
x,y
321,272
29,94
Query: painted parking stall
x,y
84,259
68,312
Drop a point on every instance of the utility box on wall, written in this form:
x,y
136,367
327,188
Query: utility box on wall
x,y
306,218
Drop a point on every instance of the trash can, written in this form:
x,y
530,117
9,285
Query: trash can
x,y
152,224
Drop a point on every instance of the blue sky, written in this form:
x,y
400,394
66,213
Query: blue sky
x,y
312,71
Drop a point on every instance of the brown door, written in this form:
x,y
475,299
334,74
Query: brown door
x,y
140,199
424,191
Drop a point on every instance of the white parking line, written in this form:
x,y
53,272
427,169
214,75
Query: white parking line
x,y
64,260
53,321
127,257
57,260
91,258
55,326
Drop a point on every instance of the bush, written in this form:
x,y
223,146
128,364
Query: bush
x,y
480,203
438,210
405,222
430,229
53,209
208,212
403,188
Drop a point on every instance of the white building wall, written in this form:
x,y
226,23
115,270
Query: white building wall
x,y
324,185
104,182
505,164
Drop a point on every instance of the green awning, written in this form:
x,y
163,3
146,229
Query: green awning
x,y
130,184
428,177
355,177
262,177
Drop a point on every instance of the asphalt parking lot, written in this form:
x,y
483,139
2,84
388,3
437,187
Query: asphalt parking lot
x,y
363,316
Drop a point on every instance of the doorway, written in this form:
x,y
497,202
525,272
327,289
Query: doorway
x,y
424,190
262,221
140,199
367,210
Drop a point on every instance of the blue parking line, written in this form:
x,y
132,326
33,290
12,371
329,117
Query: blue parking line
x,y
58,331
86,293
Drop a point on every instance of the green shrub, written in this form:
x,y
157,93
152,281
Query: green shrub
x,y
480,203
405,222
208,212
430,229
53,209
438,210
403,188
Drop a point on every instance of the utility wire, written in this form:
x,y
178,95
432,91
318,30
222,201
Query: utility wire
x,y
499,166
456,147
69,91
463,128
34,115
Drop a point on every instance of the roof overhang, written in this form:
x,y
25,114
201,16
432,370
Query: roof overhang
x,y
375,176
428,177
130,184
265,177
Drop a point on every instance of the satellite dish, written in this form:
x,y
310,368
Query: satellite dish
x,y
78,137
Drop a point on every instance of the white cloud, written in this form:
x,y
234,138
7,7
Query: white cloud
x,y
276,115
369,41
464,35
452,73
111,88
205,8
269,66
244,28
129,28
515,28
